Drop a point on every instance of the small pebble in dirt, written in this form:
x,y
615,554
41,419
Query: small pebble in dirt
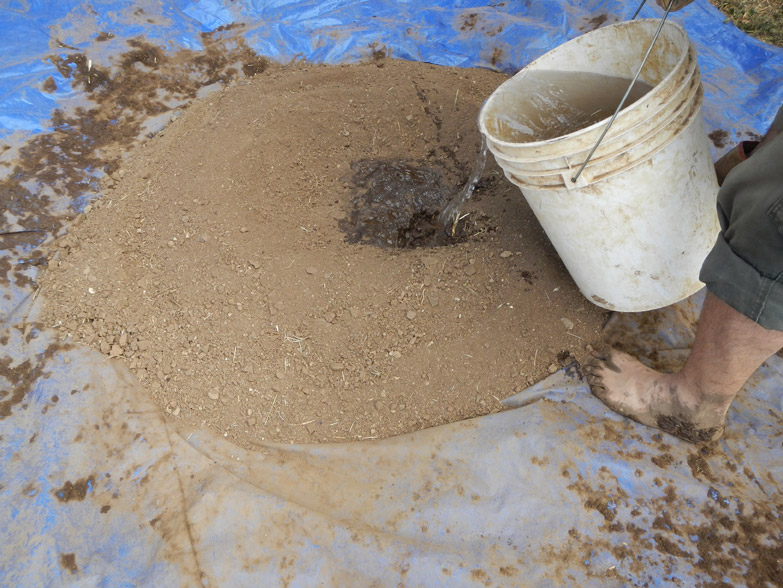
x,y
337,366
506,254
213,395
243,229
552,368
411,315
311,270
115,351
567,323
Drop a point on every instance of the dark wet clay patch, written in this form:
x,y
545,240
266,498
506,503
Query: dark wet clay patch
x,y
75,490
602,504
669,547
497,56
68,562
662,461
595,22
396,204
49,85
21,379
699,467
469,21
719,138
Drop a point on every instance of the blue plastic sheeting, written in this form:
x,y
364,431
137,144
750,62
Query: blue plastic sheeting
x,y
741,75
99,491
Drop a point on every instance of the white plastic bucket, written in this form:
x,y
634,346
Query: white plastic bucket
x,y
634,229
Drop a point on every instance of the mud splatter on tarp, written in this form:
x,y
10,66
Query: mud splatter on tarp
x,y
68,562
595,22
488,24
719,138
55,174
77,490
19,381
18,378
735,541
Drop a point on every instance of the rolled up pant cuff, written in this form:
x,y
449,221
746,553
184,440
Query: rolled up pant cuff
x,y
737,283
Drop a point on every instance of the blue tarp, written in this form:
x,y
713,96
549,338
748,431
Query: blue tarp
x,y
98,490
741,75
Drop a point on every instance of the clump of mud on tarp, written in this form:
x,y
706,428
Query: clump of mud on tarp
x,y
397,205
54,174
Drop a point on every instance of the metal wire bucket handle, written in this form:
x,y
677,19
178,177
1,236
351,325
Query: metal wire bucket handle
x,y
628,91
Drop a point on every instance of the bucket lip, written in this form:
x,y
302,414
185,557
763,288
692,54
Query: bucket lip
x,y
601,123
690,113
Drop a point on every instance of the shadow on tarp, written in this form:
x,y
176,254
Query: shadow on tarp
x,y
100,490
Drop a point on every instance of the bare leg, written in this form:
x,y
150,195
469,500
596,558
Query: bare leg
x,y
690,404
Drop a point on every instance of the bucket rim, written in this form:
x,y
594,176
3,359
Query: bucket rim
x,y
656,90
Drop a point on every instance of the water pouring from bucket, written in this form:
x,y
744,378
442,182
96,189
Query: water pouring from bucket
x,y
560,103
449,217
629,206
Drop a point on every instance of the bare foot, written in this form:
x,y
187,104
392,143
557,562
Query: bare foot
x,y
663,401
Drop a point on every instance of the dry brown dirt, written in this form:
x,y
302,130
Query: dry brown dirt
x,y
216,265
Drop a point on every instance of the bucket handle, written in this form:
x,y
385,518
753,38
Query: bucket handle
x,y
628,91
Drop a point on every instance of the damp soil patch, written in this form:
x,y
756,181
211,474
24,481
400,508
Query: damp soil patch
x,y
239,261
397,204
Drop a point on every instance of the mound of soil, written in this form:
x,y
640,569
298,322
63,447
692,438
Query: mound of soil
x,y
241,266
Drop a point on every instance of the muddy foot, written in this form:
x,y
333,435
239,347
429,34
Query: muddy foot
x,y
663,401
